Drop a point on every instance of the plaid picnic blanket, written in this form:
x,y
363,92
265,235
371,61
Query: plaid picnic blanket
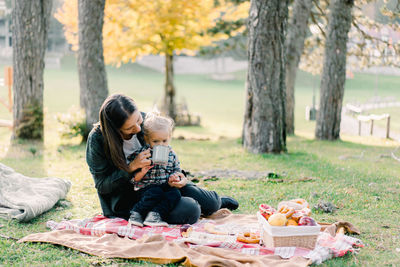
x,y
327,246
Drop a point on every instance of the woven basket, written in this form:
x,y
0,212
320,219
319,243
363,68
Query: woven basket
x,y
288,236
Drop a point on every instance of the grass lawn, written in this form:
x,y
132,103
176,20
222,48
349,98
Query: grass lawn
x,y
366,190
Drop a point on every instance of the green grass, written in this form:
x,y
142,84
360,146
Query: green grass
x,y
366,190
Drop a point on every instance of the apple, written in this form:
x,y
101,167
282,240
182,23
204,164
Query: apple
x,y
307,221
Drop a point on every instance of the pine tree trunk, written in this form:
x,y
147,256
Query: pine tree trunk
x,y
30,24
169,106
334,71
264,127
92,72
296,35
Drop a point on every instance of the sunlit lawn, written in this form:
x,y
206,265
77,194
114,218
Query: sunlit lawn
x,y
366,190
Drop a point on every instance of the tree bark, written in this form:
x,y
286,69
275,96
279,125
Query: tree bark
x,y
264,127
169,106
92,72
294,46
334,71
30,24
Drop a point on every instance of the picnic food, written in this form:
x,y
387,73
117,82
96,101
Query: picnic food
x,y
297,204
210,228
307,221
248,237
277,219
289,213
301,213
266,210
301,201
291,222
185,230
286,210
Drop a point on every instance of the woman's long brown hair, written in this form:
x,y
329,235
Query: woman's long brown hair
x,y
115,110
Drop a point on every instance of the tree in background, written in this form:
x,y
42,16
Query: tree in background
x,y
367,46
264,127
30,20
92,73
334,70
296,34
133,28
233,25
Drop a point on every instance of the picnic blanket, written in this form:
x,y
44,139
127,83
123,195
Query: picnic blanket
x,y
101,236
24,198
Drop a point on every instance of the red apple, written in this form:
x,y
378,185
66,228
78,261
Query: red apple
x,y
307,221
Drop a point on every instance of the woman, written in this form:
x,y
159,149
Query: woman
x,y
115,137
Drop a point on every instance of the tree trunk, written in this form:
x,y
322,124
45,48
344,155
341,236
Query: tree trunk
x,y
92,73
296,35
264,127
169,106
334,71
30,24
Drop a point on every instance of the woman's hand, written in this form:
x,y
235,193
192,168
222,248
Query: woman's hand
x,y
141,160
177,180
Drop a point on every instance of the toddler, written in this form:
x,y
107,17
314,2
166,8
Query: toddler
x,y
157,198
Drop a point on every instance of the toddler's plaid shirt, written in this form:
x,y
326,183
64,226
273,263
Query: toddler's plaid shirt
x,y
159,174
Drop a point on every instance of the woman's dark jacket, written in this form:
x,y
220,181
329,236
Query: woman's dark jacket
x,y
113,185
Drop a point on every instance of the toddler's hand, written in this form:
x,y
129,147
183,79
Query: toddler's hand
x,y
177,180
174,177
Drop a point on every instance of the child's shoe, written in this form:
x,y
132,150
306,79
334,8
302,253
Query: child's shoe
x,y
154,219
135,219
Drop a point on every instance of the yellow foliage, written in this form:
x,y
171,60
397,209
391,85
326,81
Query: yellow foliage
x,y
68,16
135,27
231,12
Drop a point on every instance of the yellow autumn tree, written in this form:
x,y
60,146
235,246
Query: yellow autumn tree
x,y
165,27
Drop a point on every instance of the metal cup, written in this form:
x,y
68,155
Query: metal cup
x,y
160,155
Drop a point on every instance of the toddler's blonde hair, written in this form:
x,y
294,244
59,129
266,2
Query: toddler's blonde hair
x,y
154,122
